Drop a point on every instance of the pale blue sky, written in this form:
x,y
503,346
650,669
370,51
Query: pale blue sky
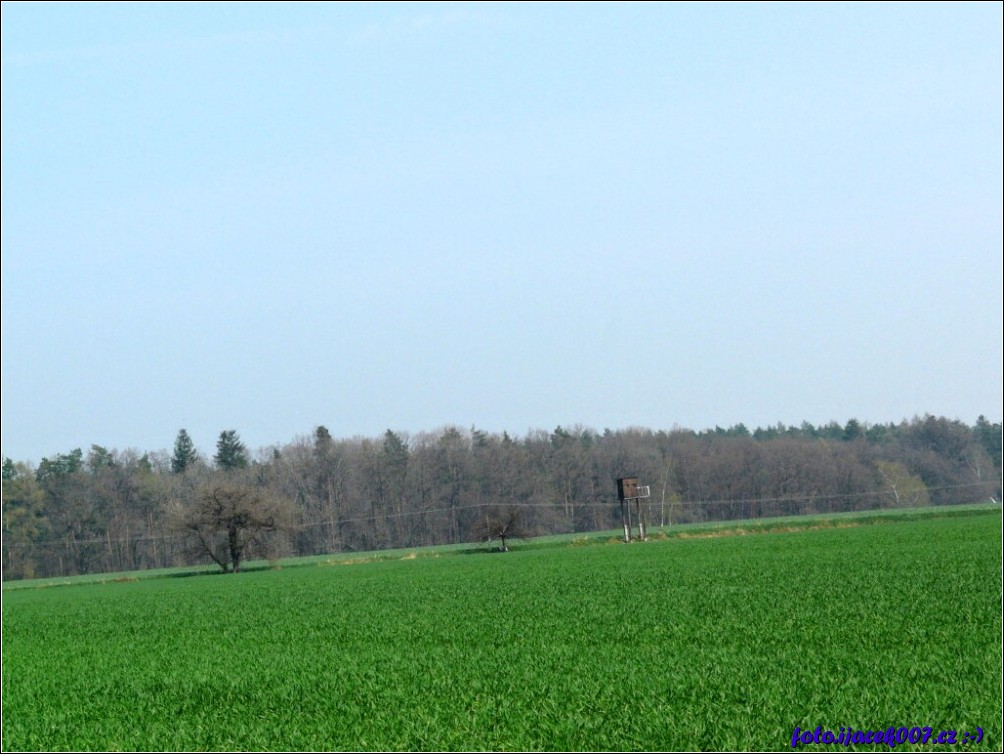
x,y
272,216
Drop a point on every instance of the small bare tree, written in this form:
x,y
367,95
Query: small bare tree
x,y
502,524
229,520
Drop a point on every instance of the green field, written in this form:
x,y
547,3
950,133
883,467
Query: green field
x,y
708,642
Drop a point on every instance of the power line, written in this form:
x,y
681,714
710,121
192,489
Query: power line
x,y
331,522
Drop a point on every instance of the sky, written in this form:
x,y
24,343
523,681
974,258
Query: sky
x,y
273,216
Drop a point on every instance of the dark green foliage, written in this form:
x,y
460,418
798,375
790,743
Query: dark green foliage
x,y
989,436
395,450
322,440
60,465
185,456
853,431
99,458
230,451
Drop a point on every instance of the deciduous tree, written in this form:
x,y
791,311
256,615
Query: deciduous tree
x,y
23,519
229,520
502,524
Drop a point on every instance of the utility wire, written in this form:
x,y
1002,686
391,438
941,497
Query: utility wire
x,y
482,505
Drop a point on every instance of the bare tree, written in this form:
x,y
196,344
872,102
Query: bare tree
x,y
502,524
228,521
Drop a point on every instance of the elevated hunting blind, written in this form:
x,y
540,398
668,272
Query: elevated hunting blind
x,y
627,488
629,491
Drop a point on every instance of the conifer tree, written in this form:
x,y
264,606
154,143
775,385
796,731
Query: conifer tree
x,y
230,451
185,454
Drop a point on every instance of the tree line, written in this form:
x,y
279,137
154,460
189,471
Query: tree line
x,y
108,510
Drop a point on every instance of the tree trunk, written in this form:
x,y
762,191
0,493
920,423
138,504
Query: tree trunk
x,y
236,551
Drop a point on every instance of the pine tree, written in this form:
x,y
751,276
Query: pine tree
x,y
230,451
185,454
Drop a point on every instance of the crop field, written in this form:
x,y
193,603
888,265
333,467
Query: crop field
x,y
709,642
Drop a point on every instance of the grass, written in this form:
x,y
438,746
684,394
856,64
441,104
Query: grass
x,y
612,536
679,643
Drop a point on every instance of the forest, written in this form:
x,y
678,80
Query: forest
x,y
107,510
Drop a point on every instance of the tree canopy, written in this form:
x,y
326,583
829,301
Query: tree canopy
x,y
111,510
227,521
